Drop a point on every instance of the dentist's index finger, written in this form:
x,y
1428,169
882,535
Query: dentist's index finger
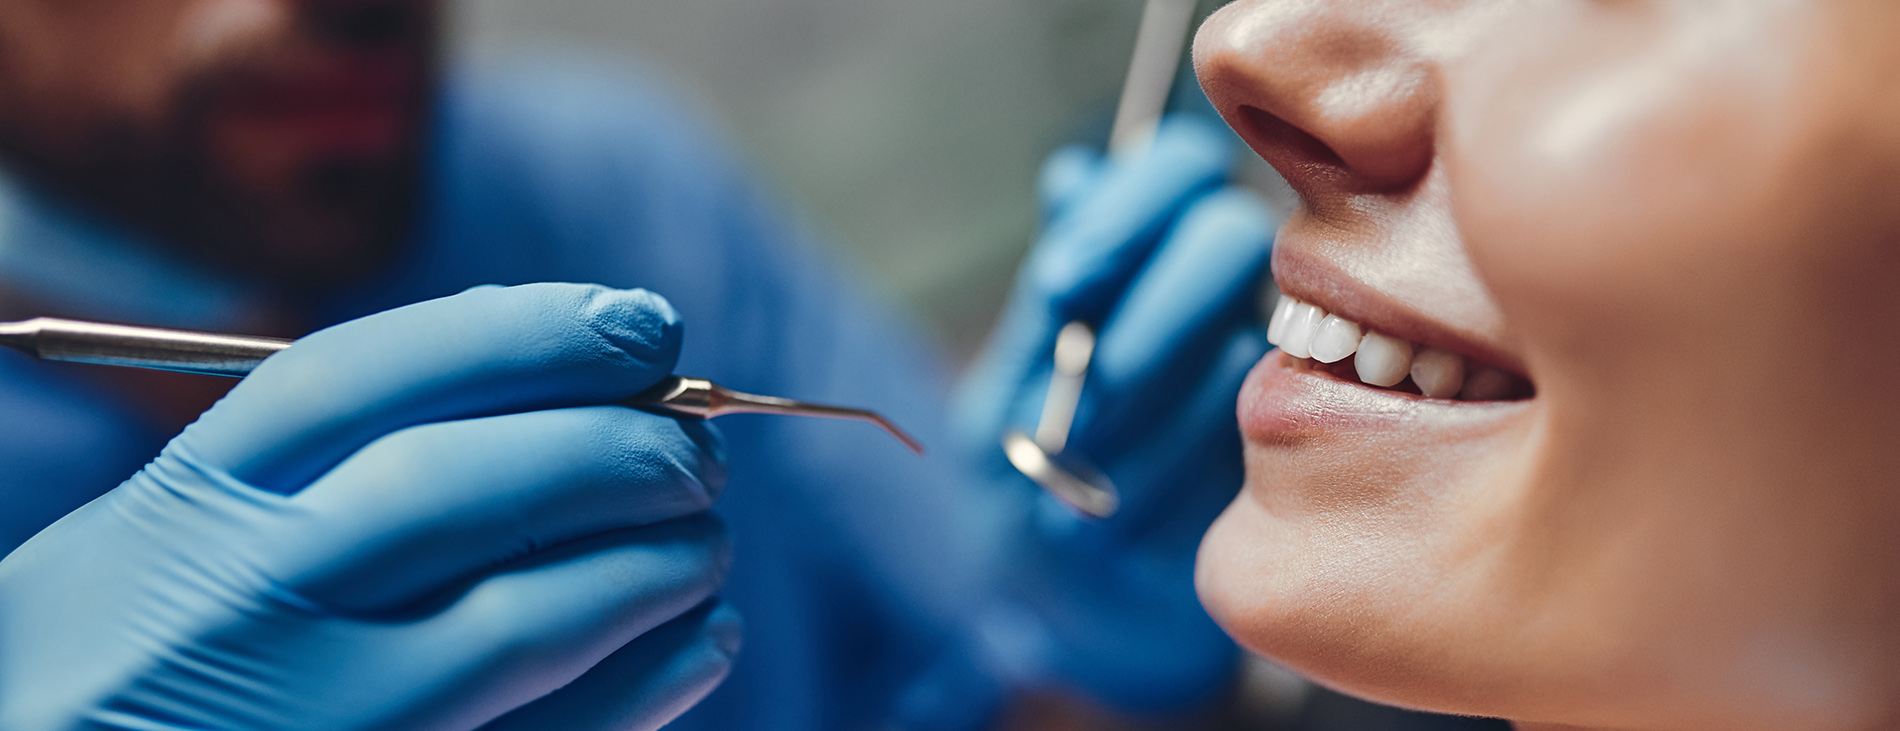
x,y
1066,177
490,350
1091,250
1209,267
1199,287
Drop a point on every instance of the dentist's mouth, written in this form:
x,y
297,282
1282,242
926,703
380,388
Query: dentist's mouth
x,y
1313,340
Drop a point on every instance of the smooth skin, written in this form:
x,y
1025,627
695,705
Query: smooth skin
x,y
1678,221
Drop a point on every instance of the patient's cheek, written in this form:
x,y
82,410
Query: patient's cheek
x,y
1593,164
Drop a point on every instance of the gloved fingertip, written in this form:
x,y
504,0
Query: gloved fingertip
x,y
1236,213
639,322
720,545
1071,286
1066,173
726,628
1194,142
1199,129
712,470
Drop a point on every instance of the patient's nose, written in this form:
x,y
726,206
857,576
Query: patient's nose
x,y
1338,96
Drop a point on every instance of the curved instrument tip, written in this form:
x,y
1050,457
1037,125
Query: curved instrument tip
x,y
899,434
706,399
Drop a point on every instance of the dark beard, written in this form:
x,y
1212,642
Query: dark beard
x,y
344,218
341,219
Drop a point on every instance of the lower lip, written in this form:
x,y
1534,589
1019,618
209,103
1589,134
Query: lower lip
x,y
1283,403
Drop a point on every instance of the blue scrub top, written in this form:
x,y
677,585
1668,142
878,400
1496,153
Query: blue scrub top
x,y
855,560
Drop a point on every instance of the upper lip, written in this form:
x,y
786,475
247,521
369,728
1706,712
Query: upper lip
x,y
1310,278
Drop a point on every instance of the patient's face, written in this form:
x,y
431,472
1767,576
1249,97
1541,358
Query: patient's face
x,y
273,136
1674,230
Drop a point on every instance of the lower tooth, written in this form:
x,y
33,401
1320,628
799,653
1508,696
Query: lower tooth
x,y
1439,373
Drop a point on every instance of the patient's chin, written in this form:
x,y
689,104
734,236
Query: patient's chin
x,y
1279,594
1328,610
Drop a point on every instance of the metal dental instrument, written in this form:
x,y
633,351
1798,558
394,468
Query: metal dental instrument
x,y
1075,345
1158,45
705,399
1070,480
216,354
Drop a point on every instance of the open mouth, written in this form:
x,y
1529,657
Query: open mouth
x,y
1319,341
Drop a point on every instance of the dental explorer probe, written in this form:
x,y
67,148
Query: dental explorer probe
x,y
218,354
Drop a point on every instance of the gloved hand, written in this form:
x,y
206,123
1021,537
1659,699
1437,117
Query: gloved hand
x,y
428,518
1167,261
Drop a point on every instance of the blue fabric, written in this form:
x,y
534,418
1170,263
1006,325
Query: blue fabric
x,y
64,445
64,258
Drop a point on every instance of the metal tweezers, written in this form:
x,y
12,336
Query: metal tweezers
x,y
218,354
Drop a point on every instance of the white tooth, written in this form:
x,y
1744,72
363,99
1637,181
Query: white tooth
x,y
1439,373
1301,326
1336,339
1267,299
1383,360
1282,314
1486,384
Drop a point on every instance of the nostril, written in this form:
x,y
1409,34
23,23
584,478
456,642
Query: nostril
x,y
1376,155
1341,96
1283,141
1304,160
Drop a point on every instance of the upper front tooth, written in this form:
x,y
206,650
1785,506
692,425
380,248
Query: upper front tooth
x,y
1282,314
1301,326
1336,338
1439,373
1383,360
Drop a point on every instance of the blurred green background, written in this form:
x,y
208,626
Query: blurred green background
x,y
908,131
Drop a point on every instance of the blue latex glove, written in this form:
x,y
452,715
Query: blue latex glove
x,y
423,519
1166,260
